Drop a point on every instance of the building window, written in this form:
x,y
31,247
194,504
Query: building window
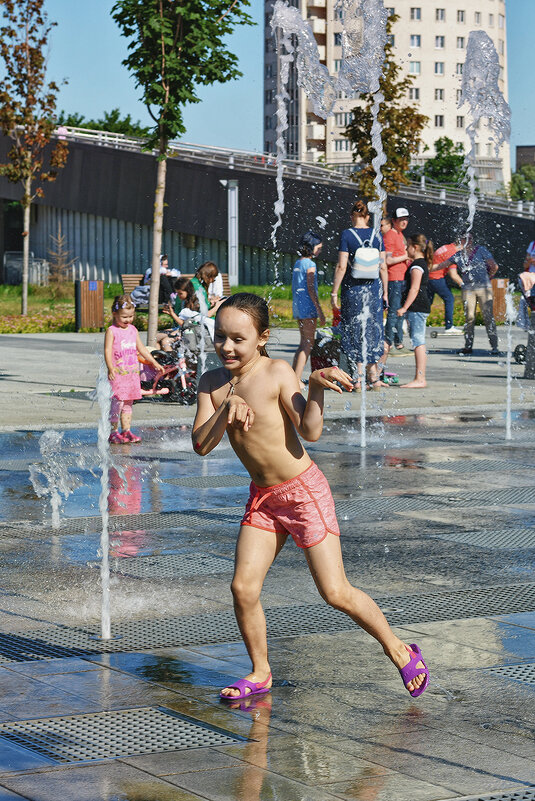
x,y
501,75
501,21
343,119
269,45
337,64
440,42
414,67
439,120
342,145
459,95
476,149
440,15
341,95
460,43
460,16
416,40
439,94
391,11
337,39
416,13
460,122
439,68
491,20
268,96
477,17
270,70
459,69
501,47
414,93
268,123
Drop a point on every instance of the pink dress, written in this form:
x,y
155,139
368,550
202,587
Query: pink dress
x,y
125,385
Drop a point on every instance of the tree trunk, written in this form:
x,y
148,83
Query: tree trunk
x,y
157,232
25,248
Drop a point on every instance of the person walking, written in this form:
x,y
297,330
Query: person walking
x,y
397,262
437,284
305,302
362,299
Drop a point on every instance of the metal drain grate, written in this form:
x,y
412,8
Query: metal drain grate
x,y
523,673
505,538
285,621
16,465
209,482
170,566
109,735
479,465
525,794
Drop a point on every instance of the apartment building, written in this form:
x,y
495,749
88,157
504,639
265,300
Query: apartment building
x,y
430,40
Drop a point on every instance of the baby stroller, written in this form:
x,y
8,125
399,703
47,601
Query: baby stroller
x,y
176,383
526,282
327,345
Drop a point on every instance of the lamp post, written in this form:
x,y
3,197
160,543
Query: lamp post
x,y
231,186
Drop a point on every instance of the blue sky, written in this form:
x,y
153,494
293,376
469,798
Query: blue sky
x,y
87,49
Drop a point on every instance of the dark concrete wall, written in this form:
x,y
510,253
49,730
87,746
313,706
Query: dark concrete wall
x,y
118,184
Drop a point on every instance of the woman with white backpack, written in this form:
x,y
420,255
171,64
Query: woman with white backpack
x,y
362,275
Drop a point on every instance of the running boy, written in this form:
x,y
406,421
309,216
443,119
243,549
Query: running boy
x,y
257,401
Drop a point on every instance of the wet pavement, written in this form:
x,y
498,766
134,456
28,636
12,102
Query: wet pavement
x,y
438,524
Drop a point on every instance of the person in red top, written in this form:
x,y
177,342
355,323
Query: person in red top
x,y
397,263
437,283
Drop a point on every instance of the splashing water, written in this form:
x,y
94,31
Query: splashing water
x,y
481,92
52,477
510,315
104,428
360,71
363,318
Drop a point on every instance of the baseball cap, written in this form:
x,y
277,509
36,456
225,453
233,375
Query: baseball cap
x,y
401,212
310,238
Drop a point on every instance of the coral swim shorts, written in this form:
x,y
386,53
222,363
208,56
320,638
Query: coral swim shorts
x,y
302,506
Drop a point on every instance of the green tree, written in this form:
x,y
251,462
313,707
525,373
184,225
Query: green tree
x,y
27,110
110,121
402,126
522,185
175,47
448,165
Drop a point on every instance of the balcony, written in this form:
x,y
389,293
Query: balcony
x,y
317,25
321,52
316,132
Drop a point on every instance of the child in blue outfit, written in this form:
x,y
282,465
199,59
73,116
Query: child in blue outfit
x,y
306,306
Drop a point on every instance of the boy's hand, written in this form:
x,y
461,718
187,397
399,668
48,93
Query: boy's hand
x,y
326,378
240,415
401,311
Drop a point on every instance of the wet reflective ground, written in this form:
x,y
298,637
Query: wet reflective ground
x,y
438,524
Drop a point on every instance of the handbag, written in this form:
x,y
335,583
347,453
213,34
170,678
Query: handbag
x,y
366,261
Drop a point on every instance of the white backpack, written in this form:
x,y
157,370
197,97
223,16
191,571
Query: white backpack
x,y
366,261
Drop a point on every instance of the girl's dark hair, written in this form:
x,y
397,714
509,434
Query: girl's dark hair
x,y
360,208
253,305
185,285
206,273
308,243
122,302
425,245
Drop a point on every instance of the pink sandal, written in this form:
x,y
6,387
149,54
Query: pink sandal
x,y
255,688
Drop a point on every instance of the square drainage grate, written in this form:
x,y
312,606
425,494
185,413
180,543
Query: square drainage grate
x,y
284,621
170,566
524,673
523,794
506,539
210,482
479,465
109,735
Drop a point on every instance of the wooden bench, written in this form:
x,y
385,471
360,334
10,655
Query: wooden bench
x,y
131,280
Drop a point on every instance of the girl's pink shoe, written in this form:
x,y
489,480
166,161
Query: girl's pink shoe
x,y
116,438
129,437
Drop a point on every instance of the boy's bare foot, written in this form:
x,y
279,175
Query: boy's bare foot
x,y
255,678
416,384
401,657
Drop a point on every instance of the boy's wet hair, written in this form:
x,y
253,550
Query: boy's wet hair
x,y
121,302
253,305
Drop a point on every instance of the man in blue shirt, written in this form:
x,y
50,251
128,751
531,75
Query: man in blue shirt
x,y
477,266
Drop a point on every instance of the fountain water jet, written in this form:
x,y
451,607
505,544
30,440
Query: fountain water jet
x,y
510,314
52,477
104,428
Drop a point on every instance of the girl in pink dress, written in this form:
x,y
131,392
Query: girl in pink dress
x,y
121,347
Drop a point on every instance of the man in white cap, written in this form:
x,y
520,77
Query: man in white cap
x,y
397,262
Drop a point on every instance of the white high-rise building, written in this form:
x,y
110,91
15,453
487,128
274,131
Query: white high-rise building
x,y
430,40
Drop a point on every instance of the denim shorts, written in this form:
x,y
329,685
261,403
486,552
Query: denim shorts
x,y
416,321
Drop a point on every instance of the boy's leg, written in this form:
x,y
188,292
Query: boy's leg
x,y
469,301
256,550
486,305
327,569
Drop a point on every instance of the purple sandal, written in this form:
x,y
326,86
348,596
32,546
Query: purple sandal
x,y
255,688
410,671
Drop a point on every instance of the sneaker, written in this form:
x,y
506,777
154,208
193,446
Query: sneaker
x,y
116,438
496,352
129,437
464,352
453,330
